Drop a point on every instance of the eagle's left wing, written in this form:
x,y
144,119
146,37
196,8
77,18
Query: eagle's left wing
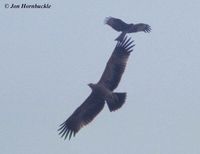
x,y
116,64
116,24
141,27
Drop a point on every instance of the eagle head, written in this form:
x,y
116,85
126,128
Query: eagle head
x,y
91,85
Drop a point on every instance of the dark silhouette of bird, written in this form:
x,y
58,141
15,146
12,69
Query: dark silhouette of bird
x,y
102,91
121,26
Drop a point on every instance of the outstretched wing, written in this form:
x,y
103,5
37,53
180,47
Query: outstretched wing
x,y
116,24
116,64
83,115
142,27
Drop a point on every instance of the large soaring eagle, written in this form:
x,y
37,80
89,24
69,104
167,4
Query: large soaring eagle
x,y
102,91
123,27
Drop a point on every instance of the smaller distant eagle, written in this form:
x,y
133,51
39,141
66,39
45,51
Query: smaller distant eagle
x,y
102,91
121,26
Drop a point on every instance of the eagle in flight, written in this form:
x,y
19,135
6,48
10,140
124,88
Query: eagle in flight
x,y
121,26
102,91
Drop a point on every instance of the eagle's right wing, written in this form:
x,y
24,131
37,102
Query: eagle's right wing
x,y
83,115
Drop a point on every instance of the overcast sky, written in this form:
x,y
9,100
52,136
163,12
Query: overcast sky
x,y
48,56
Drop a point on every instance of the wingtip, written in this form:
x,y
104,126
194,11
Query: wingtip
x,y
66,132
126,43
148,29
106,20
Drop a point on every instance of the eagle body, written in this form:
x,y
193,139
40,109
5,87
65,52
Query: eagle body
x,y
102,91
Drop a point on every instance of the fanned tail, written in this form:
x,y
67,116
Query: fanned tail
x,y
116,102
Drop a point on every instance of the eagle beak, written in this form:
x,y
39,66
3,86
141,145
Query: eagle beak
x,y
90,85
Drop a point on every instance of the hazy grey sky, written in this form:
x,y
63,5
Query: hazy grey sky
x,y
47,57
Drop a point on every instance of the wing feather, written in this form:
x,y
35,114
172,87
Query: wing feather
x,y
83,115
142,27
116,23
116,64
